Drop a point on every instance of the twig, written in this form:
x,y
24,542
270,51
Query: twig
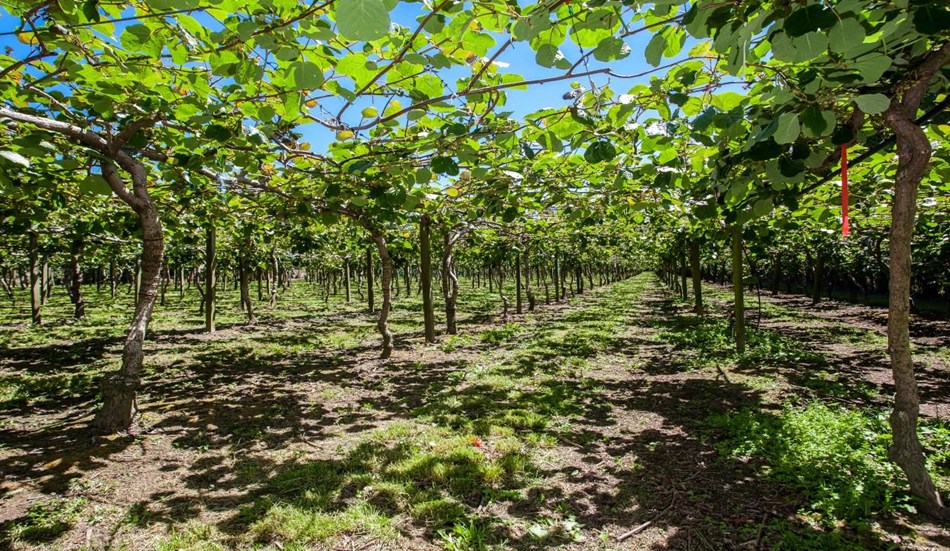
x,y
702,539
648,523
758,535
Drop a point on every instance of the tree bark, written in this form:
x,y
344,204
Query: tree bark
x,y
75,279
738,289
36,282
526,263
695,270
346,279
112,279
273,274
370,299
913,159
450,282
425,275
118,389
518,282
211,277
385,282
245,276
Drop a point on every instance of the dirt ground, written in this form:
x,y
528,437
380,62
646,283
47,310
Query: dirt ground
x,y
628,461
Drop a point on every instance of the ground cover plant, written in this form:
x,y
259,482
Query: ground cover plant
x,y
477,274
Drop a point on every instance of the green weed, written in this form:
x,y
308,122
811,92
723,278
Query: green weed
x,y
836,457
501,334
47,520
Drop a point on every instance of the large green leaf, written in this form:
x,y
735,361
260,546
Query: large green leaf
x,y
817,122
306,75
846,36
600,151
809,19
872,66
444,165
873,103
362,19
788,128
654,50
809,46
610,49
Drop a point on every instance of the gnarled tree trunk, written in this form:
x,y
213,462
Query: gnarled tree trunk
x,y
118,388
695,271
425,276
738,290
75,278
526,263
913,154
385,282
36,282
244,274
211,277
450,282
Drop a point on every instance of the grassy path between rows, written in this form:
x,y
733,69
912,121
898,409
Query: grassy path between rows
x,y
617,421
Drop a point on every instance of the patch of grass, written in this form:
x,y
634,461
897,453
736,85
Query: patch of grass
x,y
836,457
451,343
301,525
472,536
193,536
47,520
501,334
434,476
138,514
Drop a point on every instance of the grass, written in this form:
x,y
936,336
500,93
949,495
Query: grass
x,y
430,476
837,459
47,520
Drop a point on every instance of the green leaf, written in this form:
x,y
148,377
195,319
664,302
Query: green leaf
x,y
95,184
846,36
842,135
305,75
611,48
444,165
654,50
423,175
762,207
600,151
809,19
696,18
362,19
817,122
788,128
872,66
135,36
765,150
217,132
547,55
14,157
873,103
782,47
809,46
90,9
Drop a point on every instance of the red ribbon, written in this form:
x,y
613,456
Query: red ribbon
x,y
845,223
